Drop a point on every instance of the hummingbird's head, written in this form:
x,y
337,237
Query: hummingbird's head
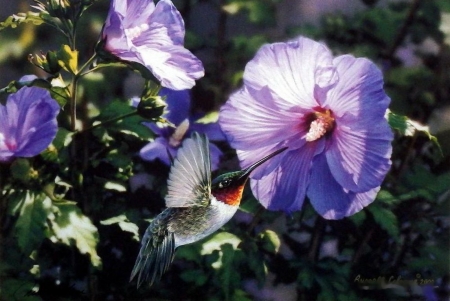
x,y
228,187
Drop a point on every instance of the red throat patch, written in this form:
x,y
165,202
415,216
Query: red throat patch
x,y
231,196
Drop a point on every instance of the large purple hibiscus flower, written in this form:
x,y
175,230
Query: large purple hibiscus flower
x,y
328,110
27,123
170,138
138,31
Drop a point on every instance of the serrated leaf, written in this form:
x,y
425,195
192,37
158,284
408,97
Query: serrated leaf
x,y
31,223
386,219
124,224
70,226
17,19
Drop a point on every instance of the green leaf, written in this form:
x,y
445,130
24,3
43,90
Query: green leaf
x,y
358,218
256,263
386,197
214,242
131,125
110,185
17,19
60,94
68,59
270,241
227,272
124,224
408,127
63,138
20,169
197,277
70,225
386,219
211,117
19,289
31,223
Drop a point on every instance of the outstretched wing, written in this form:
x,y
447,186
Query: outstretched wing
x,y
189,182
157,251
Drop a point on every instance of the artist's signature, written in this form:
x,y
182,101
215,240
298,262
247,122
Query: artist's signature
x,y
394,280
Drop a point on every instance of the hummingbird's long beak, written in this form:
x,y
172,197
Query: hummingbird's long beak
x,y
246,172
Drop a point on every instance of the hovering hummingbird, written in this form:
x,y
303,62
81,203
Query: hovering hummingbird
x,y
197,207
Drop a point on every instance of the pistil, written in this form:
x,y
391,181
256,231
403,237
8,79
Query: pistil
x,y
323,122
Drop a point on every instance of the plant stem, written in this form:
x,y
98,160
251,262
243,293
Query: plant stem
x,y
361,246
85,65
401,34
112,120
255,219
73,103
316,239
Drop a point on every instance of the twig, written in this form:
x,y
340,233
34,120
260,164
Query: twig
x,y
363,243
403,29
316,240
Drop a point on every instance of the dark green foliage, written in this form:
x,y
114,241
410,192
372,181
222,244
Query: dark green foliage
x,y
71,223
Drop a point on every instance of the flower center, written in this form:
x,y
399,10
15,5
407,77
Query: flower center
x,y
136,31
322,123
5,144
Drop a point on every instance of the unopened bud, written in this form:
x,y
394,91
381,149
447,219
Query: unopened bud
x,y
151,107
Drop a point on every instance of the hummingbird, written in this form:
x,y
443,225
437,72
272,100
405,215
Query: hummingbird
x,y
196,207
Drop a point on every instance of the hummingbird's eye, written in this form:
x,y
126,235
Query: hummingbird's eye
x,y
224,183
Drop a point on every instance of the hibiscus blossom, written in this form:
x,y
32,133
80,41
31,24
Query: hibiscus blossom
x,y
170,138
138,31
328,110
27,123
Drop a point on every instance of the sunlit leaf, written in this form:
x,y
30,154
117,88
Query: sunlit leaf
x,y
214,242
60,94
68,59
115,186
17,19
31,223
211,117
70,226
124,224
270,241
408,127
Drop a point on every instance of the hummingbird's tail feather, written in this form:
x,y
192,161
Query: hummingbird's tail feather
x,y
156,254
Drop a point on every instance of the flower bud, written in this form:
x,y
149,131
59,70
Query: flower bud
x,y
151,107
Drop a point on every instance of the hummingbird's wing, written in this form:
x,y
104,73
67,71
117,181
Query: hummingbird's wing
x,y
189,182
157,250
